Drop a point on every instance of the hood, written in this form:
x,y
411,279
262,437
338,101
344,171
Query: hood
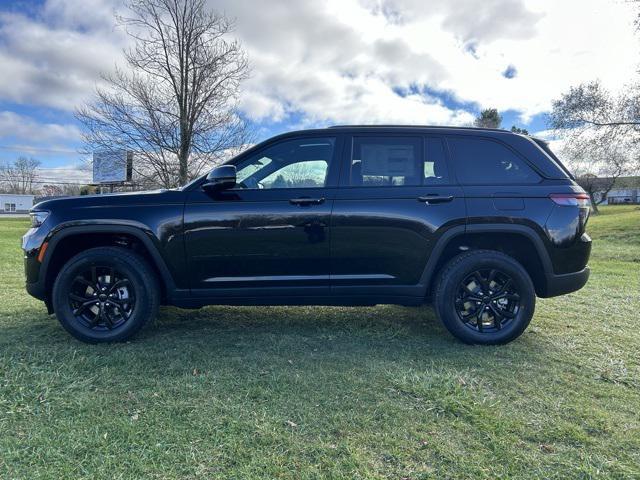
x,y
151,197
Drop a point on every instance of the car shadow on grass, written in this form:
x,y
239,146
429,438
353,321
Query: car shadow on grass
x,y
385,332
251,337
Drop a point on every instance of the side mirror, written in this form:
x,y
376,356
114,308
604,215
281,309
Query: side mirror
x,y
221,178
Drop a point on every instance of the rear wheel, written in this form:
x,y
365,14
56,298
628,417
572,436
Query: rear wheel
x,y
484,297
105,294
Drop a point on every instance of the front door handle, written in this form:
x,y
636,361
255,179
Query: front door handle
x,y
434,199
305,201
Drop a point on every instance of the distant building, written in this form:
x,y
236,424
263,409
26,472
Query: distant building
x,y
15,203
625,190
623,195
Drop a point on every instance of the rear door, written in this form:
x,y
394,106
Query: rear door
x,y
397,196
500,185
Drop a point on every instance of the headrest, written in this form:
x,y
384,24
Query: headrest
x,y
356,174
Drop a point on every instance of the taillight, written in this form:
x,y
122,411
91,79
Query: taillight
x,y
571,199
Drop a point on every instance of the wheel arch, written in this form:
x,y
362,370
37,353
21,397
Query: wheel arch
x,y
68,241
517,241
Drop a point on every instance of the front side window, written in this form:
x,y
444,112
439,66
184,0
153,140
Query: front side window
x,y
300,163
386,161
481,161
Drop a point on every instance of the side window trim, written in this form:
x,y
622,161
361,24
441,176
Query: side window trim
x,y
453,164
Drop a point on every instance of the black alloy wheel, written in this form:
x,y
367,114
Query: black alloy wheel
x,y
487,300
105,294
102,298
484,297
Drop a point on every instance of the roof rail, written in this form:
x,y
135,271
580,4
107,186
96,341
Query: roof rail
x,y
422,126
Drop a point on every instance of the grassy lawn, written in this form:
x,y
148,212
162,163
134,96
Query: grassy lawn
x,y
308,392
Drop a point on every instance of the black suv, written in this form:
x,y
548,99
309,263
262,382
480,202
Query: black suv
x,y
477,222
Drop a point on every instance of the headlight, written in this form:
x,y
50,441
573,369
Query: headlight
x,y
38,218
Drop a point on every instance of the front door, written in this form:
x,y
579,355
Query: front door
x,y
397,197
270,234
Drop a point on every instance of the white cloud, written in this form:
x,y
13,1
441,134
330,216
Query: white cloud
x,y
469,20
333,62
23,128
55,59
74,173
344,61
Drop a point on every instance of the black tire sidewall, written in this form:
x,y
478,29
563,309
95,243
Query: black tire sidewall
x,y
128,263
460,268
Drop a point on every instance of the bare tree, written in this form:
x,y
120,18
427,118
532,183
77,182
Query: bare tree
x,y
597,169
58,190
51,190
19,176
601,132
175,105
590,106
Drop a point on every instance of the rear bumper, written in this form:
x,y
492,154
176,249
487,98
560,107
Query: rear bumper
x,y
566,282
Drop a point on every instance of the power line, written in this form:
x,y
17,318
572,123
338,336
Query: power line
x,y
9,178
38,149
45,180
53,183
41,177
56,182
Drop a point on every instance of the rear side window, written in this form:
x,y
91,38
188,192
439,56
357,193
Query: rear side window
x,y
480,161
386,161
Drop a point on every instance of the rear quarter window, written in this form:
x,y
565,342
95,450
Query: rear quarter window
x,y
482,161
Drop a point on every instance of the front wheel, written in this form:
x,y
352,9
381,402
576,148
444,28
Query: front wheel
x,y
484,297
105,294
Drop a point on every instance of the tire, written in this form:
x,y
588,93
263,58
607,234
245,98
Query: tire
x,y
474,316
105,294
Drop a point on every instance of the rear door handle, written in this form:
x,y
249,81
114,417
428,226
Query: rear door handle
x,y
434,199
306,201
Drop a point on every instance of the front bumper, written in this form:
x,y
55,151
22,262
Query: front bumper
x,y
36,290
566,282
32,241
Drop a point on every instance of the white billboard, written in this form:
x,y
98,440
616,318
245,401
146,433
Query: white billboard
x,y
112,166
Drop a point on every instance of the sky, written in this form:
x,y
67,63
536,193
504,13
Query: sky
x,y
316,63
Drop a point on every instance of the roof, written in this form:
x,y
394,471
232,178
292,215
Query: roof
x,y
17,194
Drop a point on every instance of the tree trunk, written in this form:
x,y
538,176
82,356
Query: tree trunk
x,y
183,157
594,204
183,169
185,147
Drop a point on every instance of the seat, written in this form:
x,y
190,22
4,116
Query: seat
x,y
439,171
356,174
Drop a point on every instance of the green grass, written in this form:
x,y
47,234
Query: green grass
x,y
308,392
